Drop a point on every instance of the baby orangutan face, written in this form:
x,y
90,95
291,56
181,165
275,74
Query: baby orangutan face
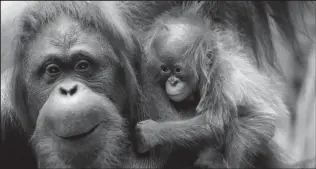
x,y
177,73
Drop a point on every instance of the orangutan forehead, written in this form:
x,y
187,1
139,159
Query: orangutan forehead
x,y
63,31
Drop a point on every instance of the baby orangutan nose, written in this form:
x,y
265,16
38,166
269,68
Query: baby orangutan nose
x,y
173,81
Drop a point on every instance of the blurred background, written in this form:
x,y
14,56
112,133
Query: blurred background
x,y
296,133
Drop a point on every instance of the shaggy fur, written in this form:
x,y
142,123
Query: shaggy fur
x,y
245,22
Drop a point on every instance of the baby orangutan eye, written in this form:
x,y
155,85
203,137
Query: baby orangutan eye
x,y
164,69
178,69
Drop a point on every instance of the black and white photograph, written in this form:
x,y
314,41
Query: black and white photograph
x,y
158,84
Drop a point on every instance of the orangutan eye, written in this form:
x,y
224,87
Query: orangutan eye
x,y
83,66
53,70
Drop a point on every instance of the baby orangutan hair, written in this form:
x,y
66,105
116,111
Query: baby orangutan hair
x,y
211,79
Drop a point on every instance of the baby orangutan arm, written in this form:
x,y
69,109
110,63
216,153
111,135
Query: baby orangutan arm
x,y
183,132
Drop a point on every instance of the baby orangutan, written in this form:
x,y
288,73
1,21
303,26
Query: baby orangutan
x,y
212,81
